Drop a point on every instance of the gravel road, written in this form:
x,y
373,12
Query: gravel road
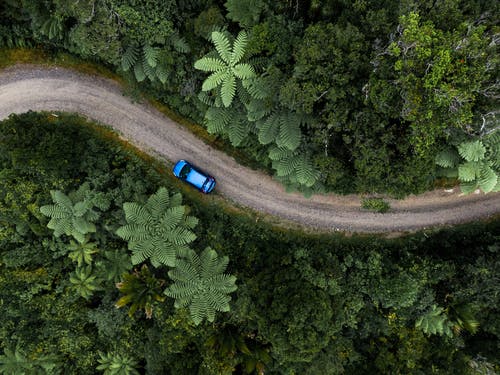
x,y
24,88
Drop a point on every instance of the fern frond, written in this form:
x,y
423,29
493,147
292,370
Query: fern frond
x,y
139,72
244,71
217,119
448,158
487,178
289,132
149,71
151,55
467,171
228,90
180,44
237,130
210,64
269,129
130,57
239,46
214,80
472,151
222,45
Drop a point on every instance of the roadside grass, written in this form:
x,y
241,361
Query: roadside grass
x,y
375,204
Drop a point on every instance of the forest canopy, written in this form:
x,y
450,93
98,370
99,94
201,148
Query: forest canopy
x,y
108,266
84,291
331,95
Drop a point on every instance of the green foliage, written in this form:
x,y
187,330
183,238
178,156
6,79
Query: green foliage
x,y
435,322
227,67
305,303
141,289
477,163
145,62
85,283
16,363
114,264
158,230
117,364
199,282
82,252
71,214
245,12
440,75
293,167
230,121
375,204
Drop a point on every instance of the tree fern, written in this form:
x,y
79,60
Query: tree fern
x,y
199,282
84,282
281,127
157,230
151,55
117,364
435,322
226,67
294,165
229,121
82,252
130,57
140,290
472,151
71,214
479,167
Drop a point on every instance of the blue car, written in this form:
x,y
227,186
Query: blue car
x,y
191,174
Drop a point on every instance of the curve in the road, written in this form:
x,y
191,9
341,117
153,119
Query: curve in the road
x,y
24,88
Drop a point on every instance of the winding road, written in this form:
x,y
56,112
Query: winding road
x,y
24,88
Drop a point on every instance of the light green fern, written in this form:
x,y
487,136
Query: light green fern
x,y
227,67
200,283
117,364
476,162
71,214
435,322
158,230
84,282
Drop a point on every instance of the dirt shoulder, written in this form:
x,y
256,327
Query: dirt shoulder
x,y
24,88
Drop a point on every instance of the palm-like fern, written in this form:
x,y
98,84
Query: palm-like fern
x,y
114,265
141,289
476,162
281,127
230,121
158,230
117,364
435,322
71,214
84,282
199,282
294,166
227,67
145,62
82,252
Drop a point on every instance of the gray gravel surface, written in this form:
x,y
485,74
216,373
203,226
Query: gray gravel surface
x,y
24,88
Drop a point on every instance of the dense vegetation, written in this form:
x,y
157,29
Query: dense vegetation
x,y
338,95
85,224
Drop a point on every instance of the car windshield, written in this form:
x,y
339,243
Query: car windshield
x,y
185,171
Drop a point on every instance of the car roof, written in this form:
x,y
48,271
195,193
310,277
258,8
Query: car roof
x,y
196,178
